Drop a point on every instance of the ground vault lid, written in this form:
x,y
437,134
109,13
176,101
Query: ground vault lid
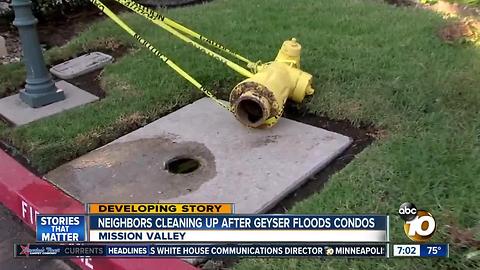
x,y
253,168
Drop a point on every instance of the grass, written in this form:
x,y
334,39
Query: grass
x,y
3,126
11,77
372,63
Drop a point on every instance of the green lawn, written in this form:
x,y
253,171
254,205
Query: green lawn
x,y
11,77
372,63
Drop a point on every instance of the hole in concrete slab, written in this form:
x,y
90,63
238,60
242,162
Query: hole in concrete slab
x,y
182,165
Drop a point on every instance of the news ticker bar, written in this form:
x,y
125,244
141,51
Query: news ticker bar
x,y
231,250
203,250
421,250
212,228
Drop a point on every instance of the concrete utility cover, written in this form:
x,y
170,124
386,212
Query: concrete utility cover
x,y
19,113
81,65
254,168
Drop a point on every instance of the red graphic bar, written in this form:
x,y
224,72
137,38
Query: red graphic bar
x,y
27,195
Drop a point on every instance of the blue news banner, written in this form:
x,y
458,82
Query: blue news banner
x,y
238,228
212,228
239,222
210,236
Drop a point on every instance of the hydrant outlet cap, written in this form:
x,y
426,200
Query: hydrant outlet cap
x,y
292,48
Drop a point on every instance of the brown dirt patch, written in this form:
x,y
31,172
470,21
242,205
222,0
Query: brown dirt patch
x,y
464,238
456,32
454,9
90,82
466,29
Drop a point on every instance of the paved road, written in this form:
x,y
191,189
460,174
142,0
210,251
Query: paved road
x,y
13,231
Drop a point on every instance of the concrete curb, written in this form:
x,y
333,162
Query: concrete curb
x,y
27,195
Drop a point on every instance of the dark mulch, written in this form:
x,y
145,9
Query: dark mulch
x,y
401,2
170,3
90,82
59,28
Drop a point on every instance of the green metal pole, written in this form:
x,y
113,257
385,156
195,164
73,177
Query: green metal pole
x,y
40,88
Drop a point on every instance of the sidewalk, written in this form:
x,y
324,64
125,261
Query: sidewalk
x,y
27,195
14,231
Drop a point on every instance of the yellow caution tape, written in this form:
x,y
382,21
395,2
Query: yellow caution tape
x,y
156,52
161,21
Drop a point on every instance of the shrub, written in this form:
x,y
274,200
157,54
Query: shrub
x,y
42,8
48,7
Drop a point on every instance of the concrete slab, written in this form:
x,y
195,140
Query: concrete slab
x,y
254,168
81,65
19,113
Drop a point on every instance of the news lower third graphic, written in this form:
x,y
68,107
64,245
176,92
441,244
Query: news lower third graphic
x,y
214,230
237,228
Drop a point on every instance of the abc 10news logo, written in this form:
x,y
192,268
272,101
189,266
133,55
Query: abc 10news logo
x,y
419,225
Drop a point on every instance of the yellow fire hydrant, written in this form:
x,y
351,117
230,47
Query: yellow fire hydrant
x,y
260,98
